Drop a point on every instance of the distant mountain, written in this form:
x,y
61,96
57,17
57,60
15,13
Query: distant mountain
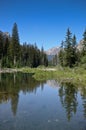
x,y
53,51
5,34
80,45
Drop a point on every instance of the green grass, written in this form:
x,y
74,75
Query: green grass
x,y
75,75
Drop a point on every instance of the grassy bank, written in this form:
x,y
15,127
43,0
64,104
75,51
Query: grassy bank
x,y
74,75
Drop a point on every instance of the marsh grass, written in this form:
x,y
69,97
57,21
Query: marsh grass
x,y
75,75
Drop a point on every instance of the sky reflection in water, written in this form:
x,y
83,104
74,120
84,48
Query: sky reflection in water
x,y
27,104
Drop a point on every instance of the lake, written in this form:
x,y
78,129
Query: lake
x,y
27,104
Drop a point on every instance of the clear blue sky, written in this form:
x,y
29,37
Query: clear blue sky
x,y
43,21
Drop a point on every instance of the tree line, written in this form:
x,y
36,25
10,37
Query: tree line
x,y
69,54
13,54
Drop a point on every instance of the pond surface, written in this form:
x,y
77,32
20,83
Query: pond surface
x,y
27,104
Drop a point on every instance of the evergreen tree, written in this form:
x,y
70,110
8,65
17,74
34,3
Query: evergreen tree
x,y
45,60
61,54
42,56
74,50
10,54
15,45
84,43
36,56
1,45
68,49
83,51
25,54
1,48
5,46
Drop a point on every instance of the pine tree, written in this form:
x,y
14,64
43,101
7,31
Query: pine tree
x,y
25,54
1,48
83,52
74,50
1,45
10,54
36,56
68,49
84,43
42,56
61,54
45,60
5,46
15,44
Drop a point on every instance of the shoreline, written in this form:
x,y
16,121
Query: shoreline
x,y
76,75
8,70
12,70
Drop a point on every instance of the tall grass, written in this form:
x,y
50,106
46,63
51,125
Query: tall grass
x,y
74,75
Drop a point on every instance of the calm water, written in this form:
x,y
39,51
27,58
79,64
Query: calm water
x,y
26,104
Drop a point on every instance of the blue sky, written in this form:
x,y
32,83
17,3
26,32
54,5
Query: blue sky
x,y
43,21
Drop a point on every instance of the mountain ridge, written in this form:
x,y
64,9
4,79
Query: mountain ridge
x,y
55,50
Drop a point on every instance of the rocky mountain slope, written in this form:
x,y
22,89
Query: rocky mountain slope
x,y
5,34
53,51
80,45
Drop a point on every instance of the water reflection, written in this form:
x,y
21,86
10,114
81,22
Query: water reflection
x,y
68,97
69,94
40,105
12,84
83,95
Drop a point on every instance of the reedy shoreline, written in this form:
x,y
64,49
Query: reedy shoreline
x,y
76,76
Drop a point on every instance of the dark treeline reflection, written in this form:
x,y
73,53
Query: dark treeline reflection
x,y
68,93
71,97
12,84
83,95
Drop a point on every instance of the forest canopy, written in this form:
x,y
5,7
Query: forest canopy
x,y
14,54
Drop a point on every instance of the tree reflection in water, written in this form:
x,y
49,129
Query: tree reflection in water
x,y
68,97
83,95
11,84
